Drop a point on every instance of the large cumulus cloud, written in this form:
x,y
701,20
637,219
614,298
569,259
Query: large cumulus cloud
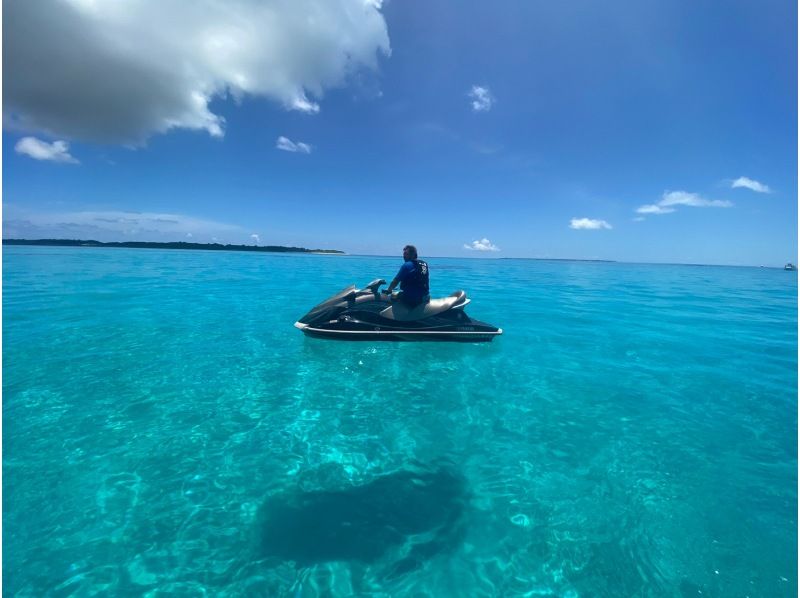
x,y
118,72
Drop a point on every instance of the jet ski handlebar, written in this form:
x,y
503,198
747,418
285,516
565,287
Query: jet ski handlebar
x,y
374,285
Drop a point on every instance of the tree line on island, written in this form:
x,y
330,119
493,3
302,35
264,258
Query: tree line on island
x,y
166,245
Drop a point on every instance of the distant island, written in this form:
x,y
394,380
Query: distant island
x,y
168,245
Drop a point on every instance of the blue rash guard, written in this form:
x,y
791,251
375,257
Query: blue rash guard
x,y
413,277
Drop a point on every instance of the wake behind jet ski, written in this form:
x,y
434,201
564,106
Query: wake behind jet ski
x,y
368,314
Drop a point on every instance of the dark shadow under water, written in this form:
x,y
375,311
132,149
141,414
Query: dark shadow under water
x,y
422,514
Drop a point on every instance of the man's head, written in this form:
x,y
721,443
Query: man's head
x,y
409,253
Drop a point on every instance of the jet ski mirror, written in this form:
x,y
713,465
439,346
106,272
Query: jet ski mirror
x,y
374,285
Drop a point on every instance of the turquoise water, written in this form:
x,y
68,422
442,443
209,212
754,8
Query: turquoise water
x,y
167,432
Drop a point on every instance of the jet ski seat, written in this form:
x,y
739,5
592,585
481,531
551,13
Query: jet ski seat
x,y
403,313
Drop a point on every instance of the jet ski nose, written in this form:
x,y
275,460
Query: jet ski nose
x,y
300,325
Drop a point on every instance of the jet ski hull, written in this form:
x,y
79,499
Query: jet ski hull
x,y
469,334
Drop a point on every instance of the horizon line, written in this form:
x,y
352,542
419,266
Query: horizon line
x,y
336,252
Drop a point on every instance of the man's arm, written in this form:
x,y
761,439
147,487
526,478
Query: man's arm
x,y
401,274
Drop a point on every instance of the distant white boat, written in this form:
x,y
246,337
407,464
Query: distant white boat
x,y
790,266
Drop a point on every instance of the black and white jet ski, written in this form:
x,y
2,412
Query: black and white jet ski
x,y
368,314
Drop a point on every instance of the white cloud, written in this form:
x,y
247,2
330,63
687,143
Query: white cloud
x,y
588,224
304,105
654,209
121,71
256,238
287,145
482,98
58,151
746,183
111,225
482,245
681,198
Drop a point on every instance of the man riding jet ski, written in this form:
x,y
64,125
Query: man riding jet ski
x,y
413,278
368,314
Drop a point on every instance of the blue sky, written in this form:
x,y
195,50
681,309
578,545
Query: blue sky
x,y
656,132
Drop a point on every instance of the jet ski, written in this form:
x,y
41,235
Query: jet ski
x,y
369,314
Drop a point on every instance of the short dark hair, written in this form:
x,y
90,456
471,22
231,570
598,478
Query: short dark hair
x,y
412,250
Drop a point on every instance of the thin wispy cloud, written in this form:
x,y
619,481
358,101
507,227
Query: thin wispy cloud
x,y
256,238
481,245
588,224
287,145
148,67
482,98
683,198
745,183
654,209
111,225
57,151
486,149
670,199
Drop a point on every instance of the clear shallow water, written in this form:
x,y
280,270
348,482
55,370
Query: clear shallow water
x,y
168,432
